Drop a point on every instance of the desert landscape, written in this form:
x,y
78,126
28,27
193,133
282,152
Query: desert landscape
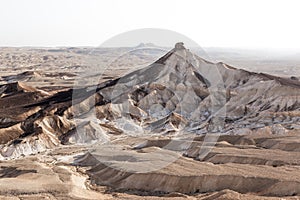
x,y
149,122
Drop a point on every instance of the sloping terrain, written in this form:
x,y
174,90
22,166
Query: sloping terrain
x,y
180,125
180,92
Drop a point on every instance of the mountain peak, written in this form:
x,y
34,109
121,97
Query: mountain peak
x,y
178,49
142,45
179,45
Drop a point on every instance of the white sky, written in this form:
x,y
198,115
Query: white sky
x,y
218,23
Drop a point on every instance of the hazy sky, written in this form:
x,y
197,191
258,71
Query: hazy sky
x,y
230,23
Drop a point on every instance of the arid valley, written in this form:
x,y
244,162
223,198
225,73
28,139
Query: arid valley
x,y
149,122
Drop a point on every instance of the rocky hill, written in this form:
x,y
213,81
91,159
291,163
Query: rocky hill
x,y
182,124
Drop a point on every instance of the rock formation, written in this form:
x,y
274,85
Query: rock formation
x,y
243,126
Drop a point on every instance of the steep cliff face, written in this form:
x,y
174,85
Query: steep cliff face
x,y
179,93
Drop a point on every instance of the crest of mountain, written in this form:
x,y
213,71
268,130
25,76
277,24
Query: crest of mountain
x,y
179,93
143,45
